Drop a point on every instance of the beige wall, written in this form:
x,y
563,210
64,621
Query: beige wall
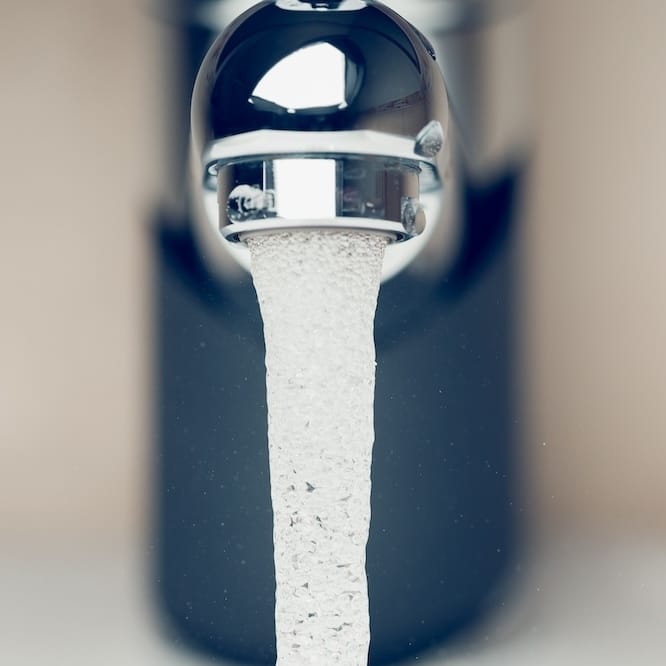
x,y
74,174
596,274
79,133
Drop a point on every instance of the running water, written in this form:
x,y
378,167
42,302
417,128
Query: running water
x,y
318,293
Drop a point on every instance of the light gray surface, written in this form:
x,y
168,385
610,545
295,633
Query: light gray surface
x,y
580,602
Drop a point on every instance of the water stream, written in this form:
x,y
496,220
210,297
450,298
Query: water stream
x,y
318,293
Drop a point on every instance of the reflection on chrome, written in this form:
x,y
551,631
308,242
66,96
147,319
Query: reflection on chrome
x,y
313,77
308,5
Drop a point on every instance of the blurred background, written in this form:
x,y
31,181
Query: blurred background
x,y
81,126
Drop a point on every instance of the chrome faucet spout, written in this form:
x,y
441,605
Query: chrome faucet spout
x,y
321,115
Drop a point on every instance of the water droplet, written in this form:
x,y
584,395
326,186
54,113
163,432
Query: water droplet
x,y
250,202
413,216
430,139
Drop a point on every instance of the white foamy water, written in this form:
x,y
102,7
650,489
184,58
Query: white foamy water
x,y
318,295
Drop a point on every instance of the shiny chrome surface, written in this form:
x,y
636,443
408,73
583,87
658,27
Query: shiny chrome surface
x,y
312,84
480,47
365,193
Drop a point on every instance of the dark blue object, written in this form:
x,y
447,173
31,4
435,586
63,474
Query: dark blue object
x,y
444,523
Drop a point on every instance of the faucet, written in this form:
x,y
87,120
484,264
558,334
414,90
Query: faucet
x,y
341,123
335,114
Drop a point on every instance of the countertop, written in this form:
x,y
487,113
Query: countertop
x,y
576,601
